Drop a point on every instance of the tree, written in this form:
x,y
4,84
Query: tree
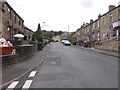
x,y
72,37
39,34
33,37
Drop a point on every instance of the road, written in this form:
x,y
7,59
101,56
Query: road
x,y
73,67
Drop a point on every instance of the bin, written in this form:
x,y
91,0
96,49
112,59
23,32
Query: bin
x,y
40,45
6,50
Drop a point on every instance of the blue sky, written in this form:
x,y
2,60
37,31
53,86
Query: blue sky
x,y
58,14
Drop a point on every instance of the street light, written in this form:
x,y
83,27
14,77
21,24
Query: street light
x,y
43,32
43,25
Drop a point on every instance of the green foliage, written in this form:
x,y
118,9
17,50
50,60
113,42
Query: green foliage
x,y
38,34
49,34
72,37
57,33
33,37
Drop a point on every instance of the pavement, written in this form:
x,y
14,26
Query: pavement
x,y
110,53
16,71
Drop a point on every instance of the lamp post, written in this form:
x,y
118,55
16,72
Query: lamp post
x,y
43,32
43,25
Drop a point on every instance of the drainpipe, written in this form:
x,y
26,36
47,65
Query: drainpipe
x,y
1,19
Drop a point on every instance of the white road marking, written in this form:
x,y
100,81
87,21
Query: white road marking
x,y
27,84
32,74
12,85
53,62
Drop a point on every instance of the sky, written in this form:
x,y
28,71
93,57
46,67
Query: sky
x,y
59,14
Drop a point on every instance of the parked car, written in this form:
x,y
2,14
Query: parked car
x,y
62,41
66,43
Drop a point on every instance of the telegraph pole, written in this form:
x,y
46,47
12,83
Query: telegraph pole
x,y
68,32
68,28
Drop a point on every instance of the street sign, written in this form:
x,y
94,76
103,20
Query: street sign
x,y
116,24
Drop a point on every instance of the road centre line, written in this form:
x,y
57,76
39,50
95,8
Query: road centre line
x,y
32,74
13,85
27,84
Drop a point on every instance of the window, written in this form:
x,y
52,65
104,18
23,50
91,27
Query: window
x,y
111,18
104,21
98,35
10,14
22,23
8,28
2,4
105,36
8,10
87,29
19,22
15,18
119,14
98,23
93,25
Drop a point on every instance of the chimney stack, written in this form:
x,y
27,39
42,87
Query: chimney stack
x,y
111,7
91,20
99,15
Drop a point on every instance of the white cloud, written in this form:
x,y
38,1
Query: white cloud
x,y
58,14
87,3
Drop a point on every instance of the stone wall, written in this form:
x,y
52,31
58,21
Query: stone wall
x,y
109,45
9,59
22,53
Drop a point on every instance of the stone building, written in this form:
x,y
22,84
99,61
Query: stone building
x,y
89,33
106,23
94,32
56,38
109,34
28,33
65,35
104,32
12,23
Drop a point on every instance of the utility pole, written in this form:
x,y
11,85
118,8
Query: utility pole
x,y
68,28
68,32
